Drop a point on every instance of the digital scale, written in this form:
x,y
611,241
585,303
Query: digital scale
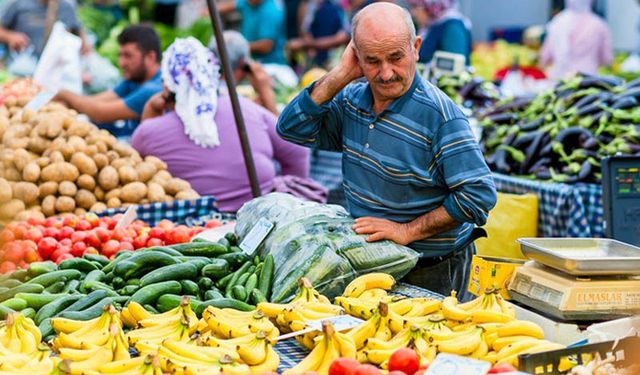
x,y
621,198
445,63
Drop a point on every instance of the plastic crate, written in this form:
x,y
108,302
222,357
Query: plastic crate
x,y
626,351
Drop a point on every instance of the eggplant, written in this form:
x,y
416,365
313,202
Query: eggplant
x,y
591,109
541,163
543,173
585,100
514,105
633,83
588,143
606,83
570,138
470,86
532,151
633,92
531,125
625,102
504,118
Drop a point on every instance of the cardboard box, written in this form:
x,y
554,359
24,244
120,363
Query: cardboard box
x,y
488,272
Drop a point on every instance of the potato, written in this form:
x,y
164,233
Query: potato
x,y
86,182
6,193
67,188
119,163
20,159
31,172
108,178
4,124
54,125
11,208
61,171
98,207
26,192
187,194
38,144
127,174
124,150
29,214
112,155
43,161
91,150
114,203
115,193
176,185
65,204
67,151
160,165
79,211
56,157
99,193
84,163
155,192
85,199
79,128
101,160
162,176
48,188
102,147
12,174
146,171
133,192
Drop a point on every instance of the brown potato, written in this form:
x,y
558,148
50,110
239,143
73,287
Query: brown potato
x,y
10,209
127,174
155,192
108,178
12,174
98,207
56,157
133,192
38,144
20,159
84,163
114,203
61,171
43,161
176,185
67,188
6,193
146,171
79,128
91,150
65,204
31,172
115,193
49,205
85,199
26,192
119,163
99,193
162,176
79,144
79,211
54,125
67,151
102,147
112,155
86,182
160,165
101,160
29,214
187,194
48,188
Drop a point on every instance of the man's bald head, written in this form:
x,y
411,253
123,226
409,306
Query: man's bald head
x,y
383,20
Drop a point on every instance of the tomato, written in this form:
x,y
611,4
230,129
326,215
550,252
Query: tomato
x,y
78,236
91,250
396,372
83,225
19,231
6,236
103,234
14,251
23,264
31,256
62,257
47,246
34,235
166,224
405,360
500,368
35,221
126,246
366,370
179,234
343,366
110,248
53,222
7,267
213,224
70,221
92,219
66,242
157,233
65,232
78,249
62,250
92,239
154,242
140,241
50,232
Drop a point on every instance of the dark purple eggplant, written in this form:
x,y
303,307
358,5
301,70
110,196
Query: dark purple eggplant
x,y
585,171
605,138
531,125
514,105
633,92
541,163
599,81
500,161
470,86
591,109
625,102
570,137
588,143
586,100
633,83
532,151
504,118
543,173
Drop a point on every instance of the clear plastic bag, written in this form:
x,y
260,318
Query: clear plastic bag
x,y
316,241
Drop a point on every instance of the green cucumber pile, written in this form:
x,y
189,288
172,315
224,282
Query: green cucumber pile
x,y
211,273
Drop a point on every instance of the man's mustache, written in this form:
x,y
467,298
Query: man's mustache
x,y
390,80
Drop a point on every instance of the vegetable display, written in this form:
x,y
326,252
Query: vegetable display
x,y
563,134
468,90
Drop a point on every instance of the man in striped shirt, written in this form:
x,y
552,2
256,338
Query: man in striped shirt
x,y
413,171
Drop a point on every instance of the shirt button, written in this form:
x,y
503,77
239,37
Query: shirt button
x,y
371,126
366,145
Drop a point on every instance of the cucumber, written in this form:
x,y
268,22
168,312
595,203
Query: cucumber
x,y
4,311
207,249
222,283
89,313
256,297
120,257
71,287
218,268
199,240
189,287
28,313
20,275
46,329
89,300
151,309
11,283
242,279
37,300
24,288
256,261
92,277
98,285
108,277
232,238
40,268
259,269
150,293
251,283
52,308
15,303
173,272
3,289
224,303
238,292
55,276
205,283
56,287
171,301
118,282
97,258
235,259
133,282
224,242
212,294
266,276
137,263
129,290
235,277
164,249
235,249
79,264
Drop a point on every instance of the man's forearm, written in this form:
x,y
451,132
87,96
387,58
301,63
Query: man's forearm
x,y
431,224
262,46
329,86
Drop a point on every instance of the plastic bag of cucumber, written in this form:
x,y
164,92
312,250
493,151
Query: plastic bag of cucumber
x,y
212,274
316,241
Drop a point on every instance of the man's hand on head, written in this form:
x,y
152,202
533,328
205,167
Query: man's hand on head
x,y
349,65
382,229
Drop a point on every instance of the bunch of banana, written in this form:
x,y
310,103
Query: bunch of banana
x,y
19,335
77,334
464,343
487,308
417,315
330,346
255,350
375,327
296,318
34,364
183,358
133,313
378,351
143,365
229,323
509,353
367,282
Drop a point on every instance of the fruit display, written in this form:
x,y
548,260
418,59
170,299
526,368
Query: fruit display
x,y
53,163
212,273
488,58
563,134
63,237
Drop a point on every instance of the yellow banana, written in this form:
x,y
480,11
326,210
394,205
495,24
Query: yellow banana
x,y
311,362
201,353
255,352
270,363
506,306
128,319
118,367
451,311
463,345
364,331
375,294
356,307
501,342
544,347
378,356
63,325
138,312
481,351
471,305
369,281
423,306
489,316
491,357
99,358
516,348
155,334
332,353
402,306
520,328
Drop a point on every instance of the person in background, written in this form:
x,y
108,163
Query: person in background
x,y
324,27
139,60
245,68
164,11
442,27
577,41
22,24
263,24
191,127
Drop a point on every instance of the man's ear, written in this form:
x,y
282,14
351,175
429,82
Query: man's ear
x,y
416,46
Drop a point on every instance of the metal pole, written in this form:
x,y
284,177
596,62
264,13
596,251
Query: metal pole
x,y
216,23
49,20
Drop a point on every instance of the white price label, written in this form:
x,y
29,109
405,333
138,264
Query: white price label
x,y
129,216
449,364
256,235
40,100
339,322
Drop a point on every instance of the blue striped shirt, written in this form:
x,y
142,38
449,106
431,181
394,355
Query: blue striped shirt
x,y
415,156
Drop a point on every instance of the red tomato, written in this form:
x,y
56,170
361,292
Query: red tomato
x,y
157,233
126,246
154,242
91,250
47,246
34,235
92,239
53,222
78,249
398,373
166,224
110,248
35,221
103,234
14,251
23,264
65,232
178,235
78,236
504,367
140,241
19,231
7,267
6,236
92,219
62,257
31,256
50,232
212,224
343,366
70,221
83,225
405,360
62,250
366,370
66,242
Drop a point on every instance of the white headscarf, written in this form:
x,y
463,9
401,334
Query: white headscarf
x,y
192,72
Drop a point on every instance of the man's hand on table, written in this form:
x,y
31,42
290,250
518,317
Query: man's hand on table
x,y
382,229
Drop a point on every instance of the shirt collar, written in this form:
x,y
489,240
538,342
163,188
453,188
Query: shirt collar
x,y
365,101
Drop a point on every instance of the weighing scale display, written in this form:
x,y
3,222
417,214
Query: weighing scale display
x,y
621,198
628,180
445,64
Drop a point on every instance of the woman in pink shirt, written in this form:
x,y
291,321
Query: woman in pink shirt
x,y
577,41
197,137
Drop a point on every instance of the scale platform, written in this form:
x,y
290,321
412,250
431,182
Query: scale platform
x,y
575,298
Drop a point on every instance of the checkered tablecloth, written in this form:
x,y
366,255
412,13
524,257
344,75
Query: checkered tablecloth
x,y
189,212
564,210
291,352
